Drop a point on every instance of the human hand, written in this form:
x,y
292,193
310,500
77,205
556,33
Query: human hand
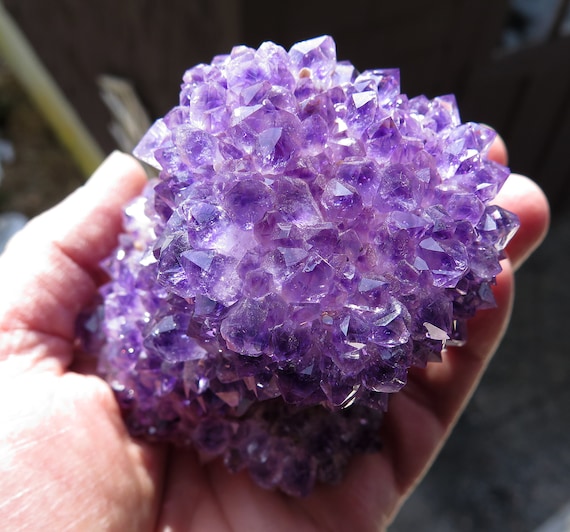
x,y
66,460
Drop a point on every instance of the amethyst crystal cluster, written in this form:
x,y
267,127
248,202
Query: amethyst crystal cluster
x,y
313,234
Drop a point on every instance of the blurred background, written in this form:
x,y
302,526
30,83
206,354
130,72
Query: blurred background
x,y
118,66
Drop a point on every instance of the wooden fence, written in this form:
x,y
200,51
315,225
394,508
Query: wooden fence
x,y
441,46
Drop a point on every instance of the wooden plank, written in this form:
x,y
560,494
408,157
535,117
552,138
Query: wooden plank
x,y
139,40
538,117
554,170
492,99
409,34
472,39
524,95
444,46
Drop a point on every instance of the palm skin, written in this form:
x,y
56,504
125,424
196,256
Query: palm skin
x,y
66,460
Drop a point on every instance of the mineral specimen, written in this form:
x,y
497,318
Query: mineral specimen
x,y
313,233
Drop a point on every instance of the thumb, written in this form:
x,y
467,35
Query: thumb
x,y
48,271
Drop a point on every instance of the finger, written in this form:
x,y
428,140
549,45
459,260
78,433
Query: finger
x,y
85,225
415,427
445,387
498,151
422,414
48,270
525,198
420,417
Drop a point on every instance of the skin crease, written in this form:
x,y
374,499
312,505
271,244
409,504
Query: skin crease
x,y
66,460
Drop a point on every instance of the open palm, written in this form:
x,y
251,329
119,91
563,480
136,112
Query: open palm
x,y
66,460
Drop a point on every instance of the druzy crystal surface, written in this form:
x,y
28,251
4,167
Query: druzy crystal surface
x,y
312,234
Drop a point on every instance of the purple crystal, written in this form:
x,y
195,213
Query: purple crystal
x,y
313,234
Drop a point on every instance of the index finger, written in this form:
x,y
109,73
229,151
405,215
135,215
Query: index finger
x,y
524,197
